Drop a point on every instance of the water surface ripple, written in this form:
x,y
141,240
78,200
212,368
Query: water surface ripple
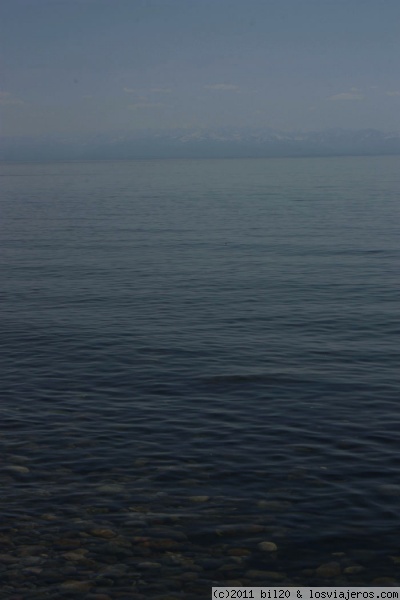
x,y
221,329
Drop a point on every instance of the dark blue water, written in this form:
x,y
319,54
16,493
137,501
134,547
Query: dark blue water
x,y
219,328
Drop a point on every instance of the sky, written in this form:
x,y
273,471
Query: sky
x,y
94,66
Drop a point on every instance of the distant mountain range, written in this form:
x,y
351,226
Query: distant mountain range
x,y
200,143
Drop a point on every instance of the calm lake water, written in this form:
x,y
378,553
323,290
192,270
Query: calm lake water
x,y
206,347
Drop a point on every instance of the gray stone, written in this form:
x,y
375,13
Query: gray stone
x,y
274,505
32,570
103,533
149,565
74,556
353,570
267,547
389,581
18,469
328,570
8,559
110,489
76,586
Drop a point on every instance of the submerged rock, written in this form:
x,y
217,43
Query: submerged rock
x,y
76,586
18,469
353,570
328,570
103,533
267,547
111,488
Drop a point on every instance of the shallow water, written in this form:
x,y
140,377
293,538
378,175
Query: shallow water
x,y
209,347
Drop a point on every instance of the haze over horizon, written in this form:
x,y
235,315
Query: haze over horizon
x,y
88,67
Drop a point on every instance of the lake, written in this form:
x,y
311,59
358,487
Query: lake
x,y
199,356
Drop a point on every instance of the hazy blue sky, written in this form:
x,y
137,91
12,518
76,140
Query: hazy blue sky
x,y
103,65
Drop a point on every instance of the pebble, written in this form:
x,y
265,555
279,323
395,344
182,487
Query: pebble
x,y
173,559
49,517
103,533
273,505
267,547
110,489
32,570
32,560
91,545
328,570
7,559
31,550
18,458
149,565
76,586
18,469
74,556
353,570
389,581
